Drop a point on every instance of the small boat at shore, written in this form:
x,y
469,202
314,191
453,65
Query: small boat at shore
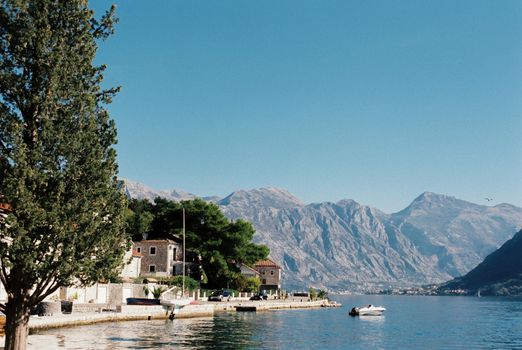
x,y
142,301
369,310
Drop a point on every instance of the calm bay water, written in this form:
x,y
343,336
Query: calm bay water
x,y
408,323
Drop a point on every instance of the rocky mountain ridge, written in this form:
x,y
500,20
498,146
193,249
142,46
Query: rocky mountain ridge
x,y
350,246
499,274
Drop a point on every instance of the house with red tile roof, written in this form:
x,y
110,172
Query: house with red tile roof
x,y
269,273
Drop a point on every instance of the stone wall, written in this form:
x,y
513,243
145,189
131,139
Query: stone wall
x,y
115,294
270,276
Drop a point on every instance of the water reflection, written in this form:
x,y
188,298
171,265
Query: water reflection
x,y
373,319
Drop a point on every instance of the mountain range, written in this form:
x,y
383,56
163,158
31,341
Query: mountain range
x,y
348,246
499,274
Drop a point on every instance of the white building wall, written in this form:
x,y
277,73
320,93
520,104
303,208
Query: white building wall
x,y
132,265
3,293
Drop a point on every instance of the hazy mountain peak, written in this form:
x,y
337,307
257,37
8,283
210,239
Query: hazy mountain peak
x,y
136,189
265,196
432,196
506,205
429,201
347,203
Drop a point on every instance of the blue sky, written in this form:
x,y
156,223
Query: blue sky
x,y
377,101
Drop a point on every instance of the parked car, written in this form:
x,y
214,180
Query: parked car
x,y
259,296
220,295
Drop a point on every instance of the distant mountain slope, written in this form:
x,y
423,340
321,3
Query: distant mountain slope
x,y
138,190
499,274
459,233
346,245
338,245
349,245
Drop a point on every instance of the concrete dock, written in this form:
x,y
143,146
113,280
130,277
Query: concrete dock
x,y
125,313
280,304
150,312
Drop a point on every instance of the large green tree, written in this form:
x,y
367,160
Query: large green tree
x,y
139,217
57,161
222,244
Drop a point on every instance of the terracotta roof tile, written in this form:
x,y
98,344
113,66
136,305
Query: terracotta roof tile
x,y
156,241
5,206
136,253
267,263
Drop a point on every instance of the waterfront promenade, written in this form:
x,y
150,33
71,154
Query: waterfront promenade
x,y
154,312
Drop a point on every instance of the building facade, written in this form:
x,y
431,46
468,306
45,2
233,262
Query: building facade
x,y
269,273
160,257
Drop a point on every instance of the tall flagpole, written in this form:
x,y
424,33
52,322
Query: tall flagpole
x,y
183,288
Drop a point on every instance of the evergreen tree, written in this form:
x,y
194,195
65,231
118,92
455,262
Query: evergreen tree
x,y
222,244
139,218
57,161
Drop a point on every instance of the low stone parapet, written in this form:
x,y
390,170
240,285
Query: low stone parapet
x,y
90,307
142,309
195,311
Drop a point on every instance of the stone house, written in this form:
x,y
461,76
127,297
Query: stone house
x,y
248,272
161,257
270,274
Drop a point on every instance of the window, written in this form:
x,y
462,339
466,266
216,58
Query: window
x,y
138,249
152,268
174,254
264,281
152,250
272,272
264,273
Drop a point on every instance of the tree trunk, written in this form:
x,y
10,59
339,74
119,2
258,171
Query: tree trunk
x,y
16,324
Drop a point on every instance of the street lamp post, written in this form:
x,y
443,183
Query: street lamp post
x,y
183,283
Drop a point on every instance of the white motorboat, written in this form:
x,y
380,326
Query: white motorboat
x,y
174,305
176,302
369,310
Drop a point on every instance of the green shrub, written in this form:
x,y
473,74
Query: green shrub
x,y
252,284
190,283
322,294
313,293
156,292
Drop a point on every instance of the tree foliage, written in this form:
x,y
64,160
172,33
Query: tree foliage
x,y
322,294
222,244
57,161
190,283
139,217
313,293
246,284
